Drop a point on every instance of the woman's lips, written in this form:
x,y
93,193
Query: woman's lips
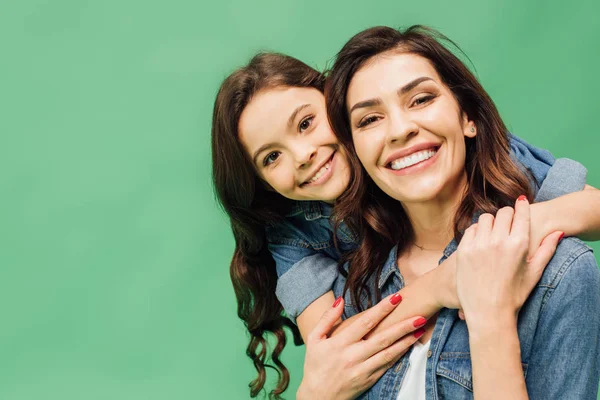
x,y
418,167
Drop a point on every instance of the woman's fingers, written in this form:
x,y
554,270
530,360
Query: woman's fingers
x,y
484,227
544,254
502,224
327,321
469,235
386,358
382,340
369,319
521,220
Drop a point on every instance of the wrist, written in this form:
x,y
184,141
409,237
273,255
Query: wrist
x,y
444,284
491,325
542,219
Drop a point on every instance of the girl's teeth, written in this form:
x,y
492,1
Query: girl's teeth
x,y
320,173
412,159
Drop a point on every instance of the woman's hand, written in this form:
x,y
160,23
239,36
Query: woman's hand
x,y
346,365
494,277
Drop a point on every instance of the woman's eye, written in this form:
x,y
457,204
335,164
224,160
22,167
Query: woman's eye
x,y
422,100
305,124
271,158
367,121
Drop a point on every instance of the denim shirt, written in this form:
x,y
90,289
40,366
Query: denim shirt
x,y
558,328
303,248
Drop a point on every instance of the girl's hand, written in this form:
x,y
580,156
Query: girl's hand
x,y
346,365
494,277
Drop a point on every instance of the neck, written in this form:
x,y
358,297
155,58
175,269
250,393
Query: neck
x,y
433,220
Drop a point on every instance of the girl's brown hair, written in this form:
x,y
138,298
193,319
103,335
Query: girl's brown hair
x,y
250,206
380,222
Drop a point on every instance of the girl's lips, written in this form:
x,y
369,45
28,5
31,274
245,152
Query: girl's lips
x,y
325,177
416,167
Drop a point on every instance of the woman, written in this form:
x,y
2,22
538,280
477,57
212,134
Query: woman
x,y
428,136
254,200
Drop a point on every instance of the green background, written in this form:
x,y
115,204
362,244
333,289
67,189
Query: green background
x,y
114,256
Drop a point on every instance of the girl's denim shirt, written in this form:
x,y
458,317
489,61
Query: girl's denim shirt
x,y
303,248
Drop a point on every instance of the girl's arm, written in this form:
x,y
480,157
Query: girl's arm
x,y
424,297
576,214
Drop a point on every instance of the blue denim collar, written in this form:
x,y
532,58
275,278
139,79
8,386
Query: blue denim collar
x,y
311,209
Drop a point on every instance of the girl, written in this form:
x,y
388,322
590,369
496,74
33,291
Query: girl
x,y
281,98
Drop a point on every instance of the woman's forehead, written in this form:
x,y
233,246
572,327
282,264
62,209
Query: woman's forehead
x,y
389,69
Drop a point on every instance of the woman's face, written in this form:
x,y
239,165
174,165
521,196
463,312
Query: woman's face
x,y
287,135
407,127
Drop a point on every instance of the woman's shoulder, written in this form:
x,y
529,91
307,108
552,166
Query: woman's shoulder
x,y
572,257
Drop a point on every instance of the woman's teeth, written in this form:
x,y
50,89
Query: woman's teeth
x,y
412,159
320,173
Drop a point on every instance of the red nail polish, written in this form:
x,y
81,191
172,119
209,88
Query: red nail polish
x,y
561,236
419,322
395,299
522,197
337,302
419,332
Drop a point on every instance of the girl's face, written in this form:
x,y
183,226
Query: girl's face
x,y
407,127
287,135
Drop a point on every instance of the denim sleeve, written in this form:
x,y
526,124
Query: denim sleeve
x,y
533,160
304,276
552,177
565,176
565,362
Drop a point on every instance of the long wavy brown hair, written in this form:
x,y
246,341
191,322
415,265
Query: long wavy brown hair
x,y
493,180
250,206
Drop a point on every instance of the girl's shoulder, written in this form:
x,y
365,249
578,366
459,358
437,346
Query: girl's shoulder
x,y
307,222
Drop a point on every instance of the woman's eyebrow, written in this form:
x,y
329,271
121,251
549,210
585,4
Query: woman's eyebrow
x,y
413,84
295,113
403,90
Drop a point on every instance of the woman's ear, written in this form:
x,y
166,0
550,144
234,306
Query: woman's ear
x,y
469,127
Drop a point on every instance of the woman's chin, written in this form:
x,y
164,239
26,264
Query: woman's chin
x,y
418,194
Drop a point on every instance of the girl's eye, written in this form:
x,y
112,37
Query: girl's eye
x,y
367,121
271,158
305,124
422,100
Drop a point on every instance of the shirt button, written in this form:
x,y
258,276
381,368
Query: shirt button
x,y
429,353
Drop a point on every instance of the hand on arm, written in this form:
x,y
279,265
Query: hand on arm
x,y
424,297
345,366
493,281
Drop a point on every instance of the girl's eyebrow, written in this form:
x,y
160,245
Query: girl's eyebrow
x,y
260,150
403,90
296,111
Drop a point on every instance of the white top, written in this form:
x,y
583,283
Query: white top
x,y
413,384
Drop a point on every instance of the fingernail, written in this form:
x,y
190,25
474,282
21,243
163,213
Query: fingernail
x,y
337,302
395,299
419,332
522,197
562,234
419,322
